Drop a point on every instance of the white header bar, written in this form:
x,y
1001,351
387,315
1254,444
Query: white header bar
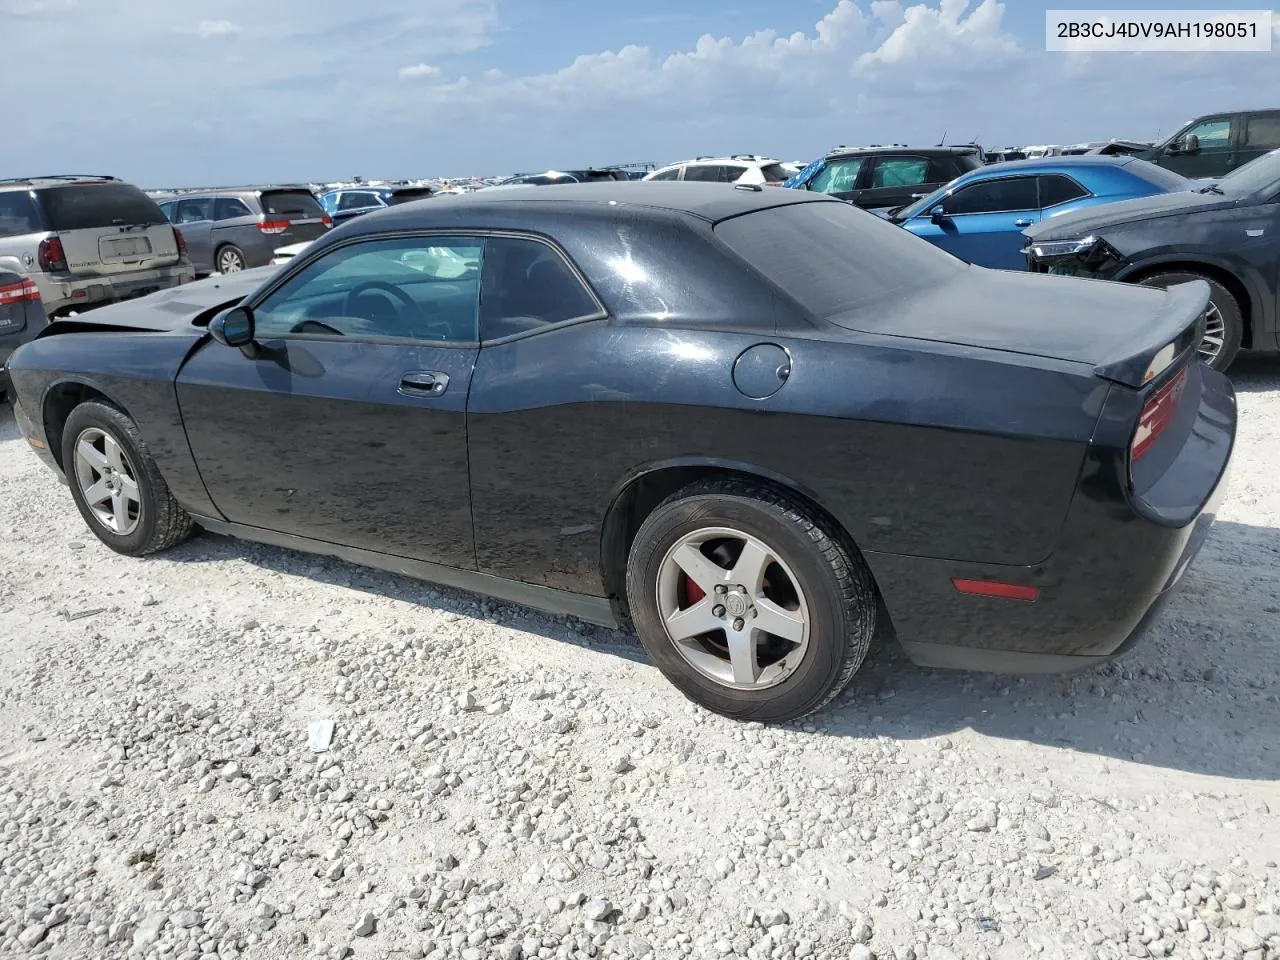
x,y
1158,31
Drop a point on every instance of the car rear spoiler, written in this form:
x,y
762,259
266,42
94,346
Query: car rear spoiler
x,y
1176,329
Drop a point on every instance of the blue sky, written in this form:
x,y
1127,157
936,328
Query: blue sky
x,y
171,92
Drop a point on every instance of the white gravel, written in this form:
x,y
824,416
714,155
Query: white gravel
x,y
505,785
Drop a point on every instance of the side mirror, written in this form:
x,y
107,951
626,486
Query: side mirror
x,y
1191,144
233,328
938,214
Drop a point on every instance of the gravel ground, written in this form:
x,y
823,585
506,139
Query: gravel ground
x,y
502,784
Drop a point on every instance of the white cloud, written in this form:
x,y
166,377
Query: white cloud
x,y
216,28
867,71
418,72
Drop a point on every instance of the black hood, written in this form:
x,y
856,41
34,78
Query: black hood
x,y
167,310
1079,223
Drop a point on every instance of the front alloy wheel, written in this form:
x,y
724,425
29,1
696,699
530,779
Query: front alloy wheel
x,y
108,481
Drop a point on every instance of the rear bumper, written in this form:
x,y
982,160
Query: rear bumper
x,y
1116,562
62,295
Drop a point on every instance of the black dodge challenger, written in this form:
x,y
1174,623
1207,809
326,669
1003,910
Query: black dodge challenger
x,y
755,424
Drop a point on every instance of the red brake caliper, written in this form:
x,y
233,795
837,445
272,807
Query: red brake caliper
x,y
692,592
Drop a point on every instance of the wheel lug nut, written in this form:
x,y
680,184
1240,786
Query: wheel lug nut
x,y
738,623
722,589
718,610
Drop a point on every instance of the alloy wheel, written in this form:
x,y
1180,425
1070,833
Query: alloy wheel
x,y
230,262
107,481
1215,333
733,608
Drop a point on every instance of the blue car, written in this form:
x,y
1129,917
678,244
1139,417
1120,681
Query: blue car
x,y
980,216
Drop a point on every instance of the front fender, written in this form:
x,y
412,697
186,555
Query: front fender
x,y
132,370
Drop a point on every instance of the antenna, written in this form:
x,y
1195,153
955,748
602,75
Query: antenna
x,y
943,141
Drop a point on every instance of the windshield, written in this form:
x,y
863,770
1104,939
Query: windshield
x,y
1257,176
924,203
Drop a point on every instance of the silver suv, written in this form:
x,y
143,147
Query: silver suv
x,y
233,229
87,241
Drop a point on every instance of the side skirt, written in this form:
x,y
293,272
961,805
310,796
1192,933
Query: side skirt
x,y
595,610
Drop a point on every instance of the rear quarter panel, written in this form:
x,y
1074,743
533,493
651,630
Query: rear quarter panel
x,y
913,448
135,372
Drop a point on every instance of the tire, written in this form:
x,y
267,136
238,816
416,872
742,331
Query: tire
x,y
833,593
229,259
1226,305
158,522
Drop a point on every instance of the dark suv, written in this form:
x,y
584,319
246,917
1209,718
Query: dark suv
x,y
886,176
1213,146
235,228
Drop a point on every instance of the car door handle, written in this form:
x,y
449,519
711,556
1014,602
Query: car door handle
x,y
1024,222
423,383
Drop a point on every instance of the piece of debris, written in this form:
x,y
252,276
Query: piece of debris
x,y
320,736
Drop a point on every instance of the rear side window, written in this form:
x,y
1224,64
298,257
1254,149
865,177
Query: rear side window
x,y
357,200
291,203
995,196
964,162
18,214
527,285
774,173
84,206
899,172
195,210
228,208
830,257
1056,189
706,173
1262,132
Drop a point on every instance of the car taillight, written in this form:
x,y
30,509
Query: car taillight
x,y
273,226
327,221
1157,414
180,240
51,255
19,292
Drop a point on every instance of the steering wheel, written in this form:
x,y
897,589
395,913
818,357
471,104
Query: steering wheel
x,y
407,312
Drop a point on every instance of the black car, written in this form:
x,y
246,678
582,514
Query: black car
x,y
1225,233
757,424
893,176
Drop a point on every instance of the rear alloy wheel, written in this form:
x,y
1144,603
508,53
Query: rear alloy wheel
x,y
230,260
1223,319
116,485
746,603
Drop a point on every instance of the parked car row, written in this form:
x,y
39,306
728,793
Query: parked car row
x,y
235,228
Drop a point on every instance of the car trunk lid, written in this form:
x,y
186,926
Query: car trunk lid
x,y
1118,329
108,228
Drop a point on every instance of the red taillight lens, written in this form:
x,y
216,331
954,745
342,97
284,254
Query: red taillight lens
x,y
51,255
19,292
1157,414
996,588
273,226
327,221
180,240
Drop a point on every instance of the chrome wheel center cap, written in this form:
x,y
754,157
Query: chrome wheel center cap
x,y
736,603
